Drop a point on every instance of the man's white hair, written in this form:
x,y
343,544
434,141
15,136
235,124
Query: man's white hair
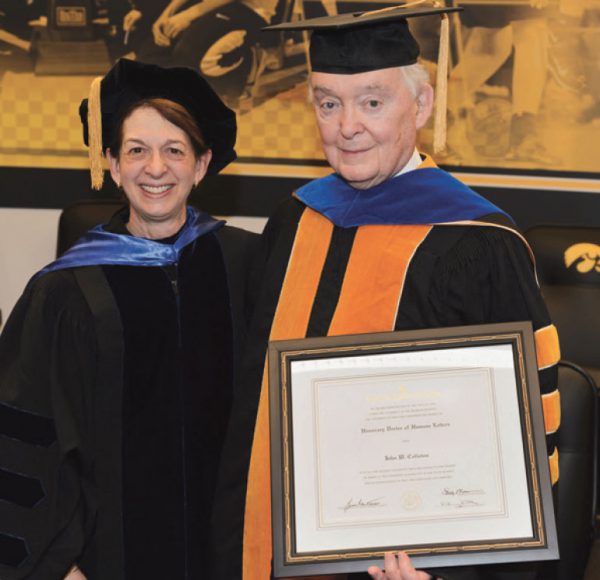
x,y
416,76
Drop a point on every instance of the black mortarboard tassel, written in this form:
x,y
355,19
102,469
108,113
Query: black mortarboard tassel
x,y
131,81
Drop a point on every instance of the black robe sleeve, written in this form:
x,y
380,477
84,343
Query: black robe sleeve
x,y
240,250
47,357
488,277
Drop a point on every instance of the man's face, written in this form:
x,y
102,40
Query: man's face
x,y
368,123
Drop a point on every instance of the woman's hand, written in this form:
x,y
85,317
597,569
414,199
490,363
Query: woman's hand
x,y
75,574
397,568
130,19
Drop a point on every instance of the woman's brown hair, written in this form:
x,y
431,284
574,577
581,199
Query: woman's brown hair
x,y
172,112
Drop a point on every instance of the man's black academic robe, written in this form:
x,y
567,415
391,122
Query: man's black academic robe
x,y
458,275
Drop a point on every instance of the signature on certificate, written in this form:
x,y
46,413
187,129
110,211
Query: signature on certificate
x,y
362,503
461,491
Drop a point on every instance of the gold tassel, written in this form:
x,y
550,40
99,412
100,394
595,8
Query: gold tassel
x,y
441,88
94,119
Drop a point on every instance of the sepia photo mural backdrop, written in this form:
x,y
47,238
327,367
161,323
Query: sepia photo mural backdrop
x,y
524,86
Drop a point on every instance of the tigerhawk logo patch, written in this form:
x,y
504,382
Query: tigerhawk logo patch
x,y
585,257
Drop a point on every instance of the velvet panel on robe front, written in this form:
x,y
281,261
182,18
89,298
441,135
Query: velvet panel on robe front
x,y
177,370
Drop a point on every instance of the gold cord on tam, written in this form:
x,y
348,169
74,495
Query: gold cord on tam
x,y
95,134
441,88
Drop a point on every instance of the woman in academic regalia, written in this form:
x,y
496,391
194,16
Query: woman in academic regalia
x,y
117,363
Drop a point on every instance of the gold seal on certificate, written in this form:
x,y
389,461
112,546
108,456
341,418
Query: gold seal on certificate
x,y
428,441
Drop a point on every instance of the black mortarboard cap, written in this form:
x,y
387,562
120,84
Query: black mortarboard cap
x,y
360,42
130,81
363,41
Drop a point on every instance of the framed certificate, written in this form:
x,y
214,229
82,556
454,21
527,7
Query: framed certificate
x,y
428,441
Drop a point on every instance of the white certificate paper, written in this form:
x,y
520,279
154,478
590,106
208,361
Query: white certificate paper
x,y
408,448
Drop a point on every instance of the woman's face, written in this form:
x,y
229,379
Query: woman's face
x,y
157,168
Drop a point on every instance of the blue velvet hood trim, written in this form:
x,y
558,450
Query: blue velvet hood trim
x,y
423,196
100,248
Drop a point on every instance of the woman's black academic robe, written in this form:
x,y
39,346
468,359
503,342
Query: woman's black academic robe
x,y
115,388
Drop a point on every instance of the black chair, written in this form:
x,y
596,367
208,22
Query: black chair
x,y
568,266
578,465
78,218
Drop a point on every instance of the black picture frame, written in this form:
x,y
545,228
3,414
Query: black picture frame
x,y
289,561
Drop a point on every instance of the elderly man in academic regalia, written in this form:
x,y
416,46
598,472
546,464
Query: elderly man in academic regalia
x,y
387,242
